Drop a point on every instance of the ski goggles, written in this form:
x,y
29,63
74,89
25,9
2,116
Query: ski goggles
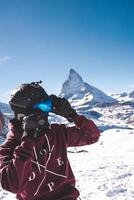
x,y
45,106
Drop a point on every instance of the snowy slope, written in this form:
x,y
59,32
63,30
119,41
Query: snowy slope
x,y
105,171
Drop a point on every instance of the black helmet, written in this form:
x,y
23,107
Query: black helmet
x,y
25,96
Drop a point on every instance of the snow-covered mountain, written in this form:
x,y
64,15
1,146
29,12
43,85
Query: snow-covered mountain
x,y
124,97
7,114
115,111
5,108
75,88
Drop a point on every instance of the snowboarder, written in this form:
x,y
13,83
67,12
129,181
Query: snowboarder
x,y
33,158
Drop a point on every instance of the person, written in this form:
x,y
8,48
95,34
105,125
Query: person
x,y
33,158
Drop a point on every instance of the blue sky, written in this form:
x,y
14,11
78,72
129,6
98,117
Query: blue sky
x,y
43,39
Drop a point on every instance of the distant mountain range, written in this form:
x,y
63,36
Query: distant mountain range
x,y
107,111
5,108
124,97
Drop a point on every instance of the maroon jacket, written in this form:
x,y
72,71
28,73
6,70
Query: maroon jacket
x,y
40,170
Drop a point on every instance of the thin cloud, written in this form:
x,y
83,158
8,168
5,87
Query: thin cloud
x,y
4,59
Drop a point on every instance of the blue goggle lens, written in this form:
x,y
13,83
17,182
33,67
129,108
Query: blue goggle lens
x,y
45,106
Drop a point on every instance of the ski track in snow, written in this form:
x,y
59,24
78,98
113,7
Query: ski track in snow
x,y
103,171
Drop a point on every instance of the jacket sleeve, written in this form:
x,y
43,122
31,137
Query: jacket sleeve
x,y
84,133
15,164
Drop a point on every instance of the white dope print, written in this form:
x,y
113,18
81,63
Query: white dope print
x,y
51,185
41,167
43,152
32,177
60,161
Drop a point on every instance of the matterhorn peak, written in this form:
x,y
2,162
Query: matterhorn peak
x,y
75,88
73,85
74,75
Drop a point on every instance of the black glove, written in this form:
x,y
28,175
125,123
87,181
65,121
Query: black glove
x,y
15,125
33,125
62,107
